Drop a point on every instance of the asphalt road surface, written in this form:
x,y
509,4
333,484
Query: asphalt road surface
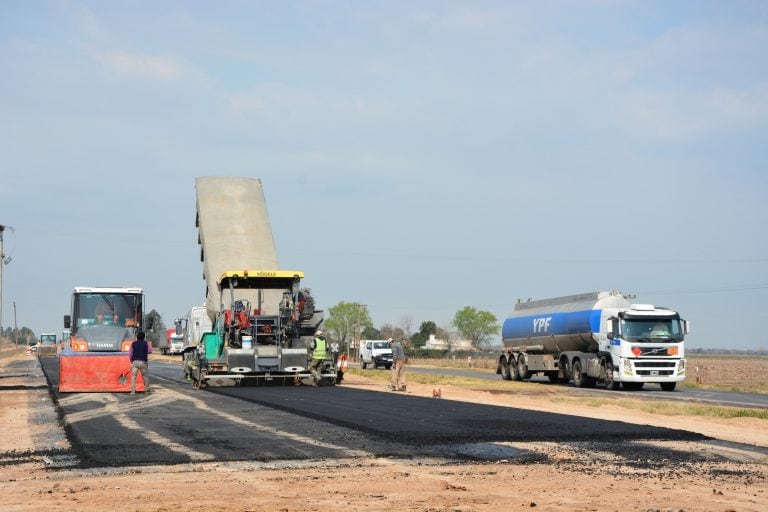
x,y
177,424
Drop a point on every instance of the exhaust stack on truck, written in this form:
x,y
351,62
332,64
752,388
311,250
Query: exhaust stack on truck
x,y
594,337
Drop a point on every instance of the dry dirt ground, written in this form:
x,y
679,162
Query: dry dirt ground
x,y
577,477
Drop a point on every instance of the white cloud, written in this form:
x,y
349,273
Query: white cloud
x,y
146,66
87,21
685,116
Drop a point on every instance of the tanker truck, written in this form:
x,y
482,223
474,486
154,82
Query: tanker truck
x,y
594,337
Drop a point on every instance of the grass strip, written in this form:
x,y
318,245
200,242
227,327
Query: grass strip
x,y
666,408
670,408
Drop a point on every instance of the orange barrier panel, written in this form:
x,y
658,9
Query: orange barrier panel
x,y
93,372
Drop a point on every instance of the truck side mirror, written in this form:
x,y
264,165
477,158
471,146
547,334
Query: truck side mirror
x,y
610,336
686,327
67,321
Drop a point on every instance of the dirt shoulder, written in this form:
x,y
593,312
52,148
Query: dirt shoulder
x,y
582,476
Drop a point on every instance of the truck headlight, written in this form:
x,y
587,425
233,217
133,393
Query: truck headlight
x,y
627,367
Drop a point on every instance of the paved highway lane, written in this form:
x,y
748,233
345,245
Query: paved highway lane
x,y
649,391
177,424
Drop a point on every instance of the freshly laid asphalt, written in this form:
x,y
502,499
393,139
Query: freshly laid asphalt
x,y
178,424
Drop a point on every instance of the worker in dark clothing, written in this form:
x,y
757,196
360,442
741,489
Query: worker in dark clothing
x,y
139,356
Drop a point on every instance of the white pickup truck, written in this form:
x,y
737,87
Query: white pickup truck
x,y
376,353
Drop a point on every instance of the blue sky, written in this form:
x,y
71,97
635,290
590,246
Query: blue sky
x,y
417,157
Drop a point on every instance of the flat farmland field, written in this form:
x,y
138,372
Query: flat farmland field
x,y
734,373
722,371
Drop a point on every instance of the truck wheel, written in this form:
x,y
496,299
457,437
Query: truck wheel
x,y
515,369
504,369
668,386
522,368
609,382
565,370
579,379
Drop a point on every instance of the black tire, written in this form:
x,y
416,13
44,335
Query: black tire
x,y
504,370
668,386
579,378
554,378
565,370
610,383
522,368
514,369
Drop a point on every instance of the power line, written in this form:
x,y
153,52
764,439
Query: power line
x,y
528,259
722,289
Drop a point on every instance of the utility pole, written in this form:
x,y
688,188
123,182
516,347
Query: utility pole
x,y
357,328
15,326
3,261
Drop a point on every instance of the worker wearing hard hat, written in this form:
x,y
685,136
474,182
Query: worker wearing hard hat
x,y
319,347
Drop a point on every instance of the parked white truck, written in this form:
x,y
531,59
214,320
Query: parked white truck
x,y
197,322
375,353
594,337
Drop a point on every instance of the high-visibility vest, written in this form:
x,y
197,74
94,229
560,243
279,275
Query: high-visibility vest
x,y
320,349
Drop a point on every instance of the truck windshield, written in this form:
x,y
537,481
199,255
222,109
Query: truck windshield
x,y
652,329
48,339
381,344
106,309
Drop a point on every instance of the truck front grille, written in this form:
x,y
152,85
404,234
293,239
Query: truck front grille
x,y
655,364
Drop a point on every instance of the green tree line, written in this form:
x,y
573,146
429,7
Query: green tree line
x,y
22,336
347,321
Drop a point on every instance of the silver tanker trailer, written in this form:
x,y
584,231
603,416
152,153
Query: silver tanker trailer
x,y
594,337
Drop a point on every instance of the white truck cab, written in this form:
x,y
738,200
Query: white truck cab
x,y
176,344
376,353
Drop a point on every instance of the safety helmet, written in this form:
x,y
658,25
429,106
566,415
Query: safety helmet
x,y
318,332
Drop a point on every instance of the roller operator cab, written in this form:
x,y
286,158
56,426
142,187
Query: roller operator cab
x,y
595,337
102,325
48,345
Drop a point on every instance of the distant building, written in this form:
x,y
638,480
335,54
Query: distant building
x,y
437,344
